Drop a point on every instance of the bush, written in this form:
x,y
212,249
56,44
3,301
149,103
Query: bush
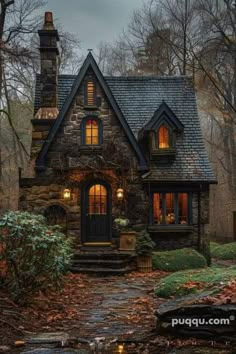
x,y
173,285
224,252
185,258
35,254
205,249
144,244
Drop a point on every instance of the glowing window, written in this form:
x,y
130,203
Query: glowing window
x,y
90,94
91,132
163,137
97,200
170,208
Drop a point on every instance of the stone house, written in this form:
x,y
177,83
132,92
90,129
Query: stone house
x,y
106,147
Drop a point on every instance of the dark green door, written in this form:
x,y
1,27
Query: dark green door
x,y
97,220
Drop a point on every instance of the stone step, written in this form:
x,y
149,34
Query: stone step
x,y
102,255
91,263
101,270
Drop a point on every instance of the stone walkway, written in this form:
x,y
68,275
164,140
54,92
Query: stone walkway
x,y
120,310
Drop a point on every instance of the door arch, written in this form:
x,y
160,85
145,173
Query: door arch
x,y
96,210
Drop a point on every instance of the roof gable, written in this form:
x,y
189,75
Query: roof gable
x,y
90,63
164,114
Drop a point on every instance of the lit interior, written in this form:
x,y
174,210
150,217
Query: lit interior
x,y
163,137
90,93
97,200
91,132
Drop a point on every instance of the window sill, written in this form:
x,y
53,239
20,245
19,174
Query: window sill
x,y
91,108
163,152
89,148
170,228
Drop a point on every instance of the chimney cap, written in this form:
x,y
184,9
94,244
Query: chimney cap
x,y
48,21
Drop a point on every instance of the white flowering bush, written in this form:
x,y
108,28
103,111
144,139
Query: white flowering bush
x,y
122,224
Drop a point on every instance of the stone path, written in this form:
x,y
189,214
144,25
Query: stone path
x,y
121,309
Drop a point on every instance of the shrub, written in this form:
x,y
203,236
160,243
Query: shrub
x,y
185,258
208,278
35,254
144,244
224,252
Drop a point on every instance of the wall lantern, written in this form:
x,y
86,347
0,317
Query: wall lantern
x,y
67,194
120,193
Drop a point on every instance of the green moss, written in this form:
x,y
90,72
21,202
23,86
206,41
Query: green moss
x,y
225,252
185,258
172,285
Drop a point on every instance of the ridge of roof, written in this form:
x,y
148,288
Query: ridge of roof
x,y
90,62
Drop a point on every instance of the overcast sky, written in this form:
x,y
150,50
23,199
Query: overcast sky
x,y
93,20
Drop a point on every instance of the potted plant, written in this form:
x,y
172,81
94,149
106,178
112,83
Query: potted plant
x,y
144,248
127,234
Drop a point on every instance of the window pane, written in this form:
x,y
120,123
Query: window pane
x,y
90,93
91,132
97,199
163,137
170,212
183,208
157,208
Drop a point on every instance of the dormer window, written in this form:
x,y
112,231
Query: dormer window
x,y
91,131
163,137
90,93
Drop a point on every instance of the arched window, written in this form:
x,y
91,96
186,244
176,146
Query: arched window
x,y
97,200
163,137
91,131
90,93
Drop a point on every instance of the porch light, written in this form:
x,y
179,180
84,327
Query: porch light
x,y
67,194
120,193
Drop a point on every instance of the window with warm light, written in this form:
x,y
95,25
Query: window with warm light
x,y
90,93
97,200
171,208
163,137
91,132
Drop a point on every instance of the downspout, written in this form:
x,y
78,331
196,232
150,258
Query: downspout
x,y
199,241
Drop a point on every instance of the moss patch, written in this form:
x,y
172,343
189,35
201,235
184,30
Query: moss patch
x,y
192,281
185,258
225,252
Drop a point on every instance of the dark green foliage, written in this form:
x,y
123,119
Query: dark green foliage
x,y
35,253
185,258
144,244
225,252
210,278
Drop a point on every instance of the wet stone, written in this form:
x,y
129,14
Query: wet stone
x,y
48,338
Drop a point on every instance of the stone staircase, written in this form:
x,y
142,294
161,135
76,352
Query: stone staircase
x,y
99,261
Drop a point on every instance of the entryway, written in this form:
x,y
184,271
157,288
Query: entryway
x,y
96,212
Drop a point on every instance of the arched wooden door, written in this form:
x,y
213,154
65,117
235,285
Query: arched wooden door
x,y
97,212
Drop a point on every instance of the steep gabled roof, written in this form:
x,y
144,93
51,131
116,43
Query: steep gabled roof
x,y
138,99
90,63
164,112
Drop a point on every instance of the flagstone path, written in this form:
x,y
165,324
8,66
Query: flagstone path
x,y
119,309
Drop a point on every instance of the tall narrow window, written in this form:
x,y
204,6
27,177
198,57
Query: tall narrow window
x,y
183,208
163,137
92,132
170,208
90,93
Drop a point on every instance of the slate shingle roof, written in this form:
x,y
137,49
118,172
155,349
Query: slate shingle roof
x,y
138,99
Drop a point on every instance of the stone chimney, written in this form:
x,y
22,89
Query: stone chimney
x,y
49,69
48,111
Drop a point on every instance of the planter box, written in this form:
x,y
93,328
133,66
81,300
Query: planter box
x,y
144,264
128,241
